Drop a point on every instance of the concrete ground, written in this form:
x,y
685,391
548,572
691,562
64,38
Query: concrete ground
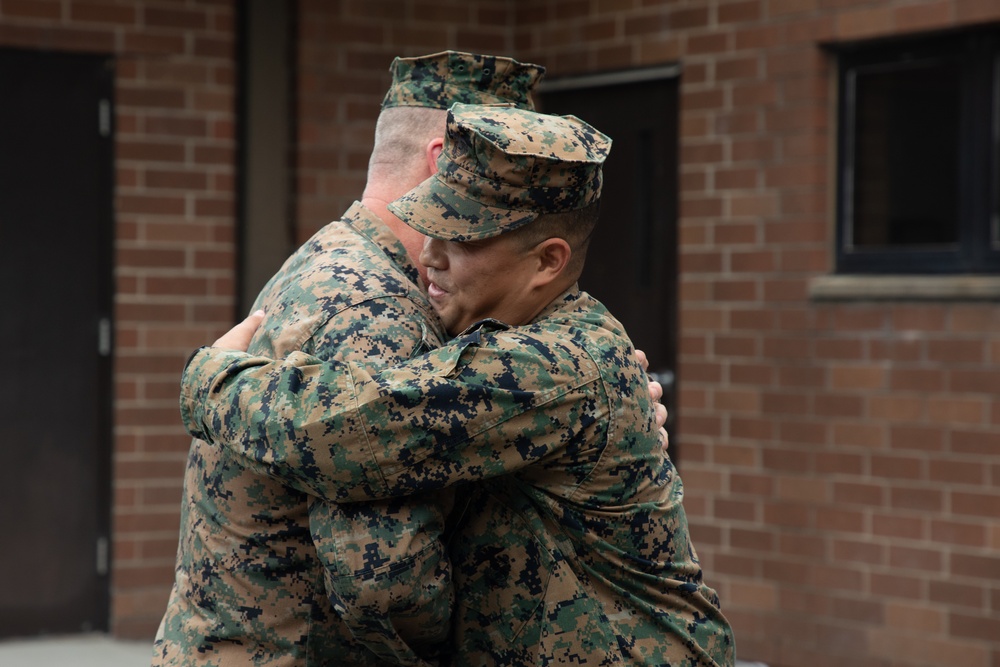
x,y
96,650
92,650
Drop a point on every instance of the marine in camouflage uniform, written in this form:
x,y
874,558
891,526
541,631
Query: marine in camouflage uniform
x,y
574,547
251,586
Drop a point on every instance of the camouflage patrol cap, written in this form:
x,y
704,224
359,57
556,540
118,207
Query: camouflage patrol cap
x,y
502,167
441,79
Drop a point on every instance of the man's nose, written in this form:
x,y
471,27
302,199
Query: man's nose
x,y
431,254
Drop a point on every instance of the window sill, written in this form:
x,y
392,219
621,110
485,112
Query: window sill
x,y
904,288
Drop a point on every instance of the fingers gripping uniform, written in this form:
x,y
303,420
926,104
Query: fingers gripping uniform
x,y
370,584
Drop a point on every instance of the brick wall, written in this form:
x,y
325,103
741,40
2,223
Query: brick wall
x,y
841,460
173,251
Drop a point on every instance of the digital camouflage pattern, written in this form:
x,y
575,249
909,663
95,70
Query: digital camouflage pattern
x,y
251,588
439,80
574,547
500,168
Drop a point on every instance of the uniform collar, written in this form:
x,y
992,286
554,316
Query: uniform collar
x,y
364,221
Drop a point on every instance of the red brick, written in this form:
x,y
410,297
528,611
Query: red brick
x,y
979,443
734,346
974,381
914,617
701,207
594,30
807,546
751,484
956,351
918,438
956,533
836,578
701,262
696,17
864,611
986,505
860,377
737,122
840,405
755,429
741,11
738,67
753,149
924,499
956,411
848,493
754,374
897,467
840,520
145,575
788,349
735,510
797,432
149,151
915,559
737,401
787,460
783,403
974,626
897,408
784,7
954,594
106,13
842,463
974,566
737,233
957,472
899,526
739,566
863,23
735,290
787,514
151,205
870,436
153,44
751,319
898,586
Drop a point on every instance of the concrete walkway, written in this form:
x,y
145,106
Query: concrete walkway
x,y
97,651
75,651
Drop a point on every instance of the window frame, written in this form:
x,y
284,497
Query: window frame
x,y
978,248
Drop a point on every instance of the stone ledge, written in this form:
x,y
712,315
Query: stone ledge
x,y
904,288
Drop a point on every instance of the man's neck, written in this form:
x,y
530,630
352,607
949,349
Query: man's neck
x,y
411,240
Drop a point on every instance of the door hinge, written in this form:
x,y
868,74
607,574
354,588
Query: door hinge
x,y
104,118
102,556
104,337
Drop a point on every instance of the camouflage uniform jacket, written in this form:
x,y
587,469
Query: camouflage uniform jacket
x,y
575,546
249,585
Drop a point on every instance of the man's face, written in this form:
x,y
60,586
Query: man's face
x,y
472,280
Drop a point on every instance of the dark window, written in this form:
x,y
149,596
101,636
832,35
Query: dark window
x,y
918,155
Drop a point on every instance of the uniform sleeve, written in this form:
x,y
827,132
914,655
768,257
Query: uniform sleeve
x,y
482,406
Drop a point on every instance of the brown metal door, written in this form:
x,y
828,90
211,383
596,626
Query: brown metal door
x,y
632,261
55,269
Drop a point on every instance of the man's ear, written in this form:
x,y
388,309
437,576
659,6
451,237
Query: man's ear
x,y
553,258
431,152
